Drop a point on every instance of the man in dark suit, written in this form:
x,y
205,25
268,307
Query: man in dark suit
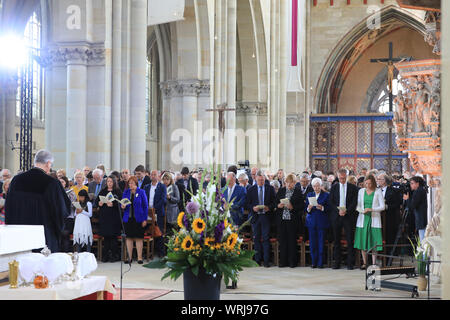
x,y
243,181
343,202
393,200
156,193
260,202
190,186
238,195
143,179
417,204
305,187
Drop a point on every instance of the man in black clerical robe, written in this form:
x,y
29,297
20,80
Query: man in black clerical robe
x,y
35,198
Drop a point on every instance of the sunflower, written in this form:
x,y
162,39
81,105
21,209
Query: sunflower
x,y
232,240
210,242
180,219
198,225
226,224
187,244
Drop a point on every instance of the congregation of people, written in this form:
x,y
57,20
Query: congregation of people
x,y
361,211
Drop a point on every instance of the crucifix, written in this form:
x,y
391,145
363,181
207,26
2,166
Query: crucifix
x,y
391,68
221,108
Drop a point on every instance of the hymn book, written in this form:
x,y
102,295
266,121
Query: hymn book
x,y
108,199
124,201
312,201
77,205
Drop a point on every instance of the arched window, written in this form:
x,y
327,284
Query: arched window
x,y
382,105
32,37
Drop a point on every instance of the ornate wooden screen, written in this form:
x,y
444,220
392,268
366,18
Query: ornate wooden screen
x,y
353,142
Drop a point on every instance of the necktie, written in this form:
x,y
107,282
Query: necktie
x,y
97,189
261,198
342,196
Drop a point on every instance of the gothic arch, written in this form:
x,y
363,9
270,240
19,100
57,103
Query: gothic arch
x,y
347,52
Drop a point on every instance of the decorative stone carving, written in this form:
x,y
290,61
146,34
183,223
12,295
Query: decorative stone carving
x,y
293,119
194,88
61,55
251,107
433,27
417,114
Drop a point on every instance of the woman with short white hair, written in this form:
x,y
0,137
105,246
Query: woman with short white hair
x,y
317,222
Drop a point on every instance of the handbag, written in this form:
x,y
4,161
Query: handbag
x,y
155,232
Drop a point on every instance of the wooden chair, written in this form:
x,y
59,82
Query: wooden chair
x,y
275,250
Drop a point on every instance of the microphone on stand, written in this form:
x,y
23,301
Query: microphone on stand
x,y
123,236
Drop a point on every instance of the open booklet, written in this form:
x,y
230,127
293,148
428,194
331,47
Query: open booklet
x,y
109,198
169,189
312,201
124,201
77,205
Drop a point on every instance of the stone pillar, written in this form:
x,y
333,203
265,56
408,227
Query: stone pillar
x,y
76,114
138,56
291,122
9,85
445,127
116,85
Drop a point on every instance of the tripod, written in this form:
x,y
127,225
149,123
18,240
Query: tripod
x,y
122,246
400,231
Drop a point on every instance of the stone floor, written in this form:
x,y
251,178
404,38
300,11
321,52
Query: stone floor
x,y
271,284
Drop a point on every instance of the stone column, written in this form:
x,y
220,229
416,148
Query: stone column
x,y
76,114
203,117
190,116
138,67
8,113
445,127
165,132
116,86
291,123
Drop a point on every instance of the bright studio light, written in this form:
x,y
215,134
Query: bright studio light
x,y
13,53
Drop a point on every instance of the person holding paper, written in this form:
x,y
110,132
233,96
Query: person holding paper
x,y
317,207
156,193
173,198
109,219
343,201
82,230
79,179
135,217
289,201
260,202
368,227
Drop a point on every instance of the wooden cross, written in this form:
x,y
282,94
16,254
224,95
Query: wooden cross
x,y
391,68
221,108
390,65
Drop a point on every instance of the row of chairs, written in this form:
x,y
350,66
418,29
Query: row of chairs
x,y
148,248
303,250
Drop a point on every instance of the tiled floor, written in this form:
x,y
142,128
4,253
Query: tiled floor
x,y
269,284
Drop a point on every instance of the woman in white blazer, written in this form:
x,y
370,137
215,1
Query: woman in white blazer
x,y
368,227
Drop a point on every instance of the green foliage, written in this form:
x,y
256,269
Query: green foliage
x,y
195,248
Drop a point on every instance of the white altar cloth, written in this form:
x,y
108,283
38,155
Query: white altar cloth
x,y
67,290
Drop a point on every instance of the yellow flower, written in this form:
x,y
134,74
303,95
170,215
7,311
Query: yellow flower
x,y
177,241
209,242
198,225
187,244
231,241
226,224
176,249
180,219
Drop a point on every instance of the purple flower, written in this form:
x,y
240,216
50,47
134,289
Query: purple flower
x,y
186,223
192,207
218,231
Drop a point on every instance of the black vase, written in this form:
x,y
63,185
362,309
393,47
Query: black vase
x,y
201,287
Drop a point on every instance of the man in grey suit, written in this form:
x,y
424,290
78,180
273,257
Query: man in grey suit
x,y
97,185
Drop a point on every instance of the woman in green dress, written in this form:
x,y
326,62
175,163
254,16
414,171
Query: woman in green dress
x,y
368,227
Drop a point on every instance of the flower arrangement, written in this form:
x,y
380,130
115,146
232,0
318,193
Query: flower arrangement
x,y
206,238
421,253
